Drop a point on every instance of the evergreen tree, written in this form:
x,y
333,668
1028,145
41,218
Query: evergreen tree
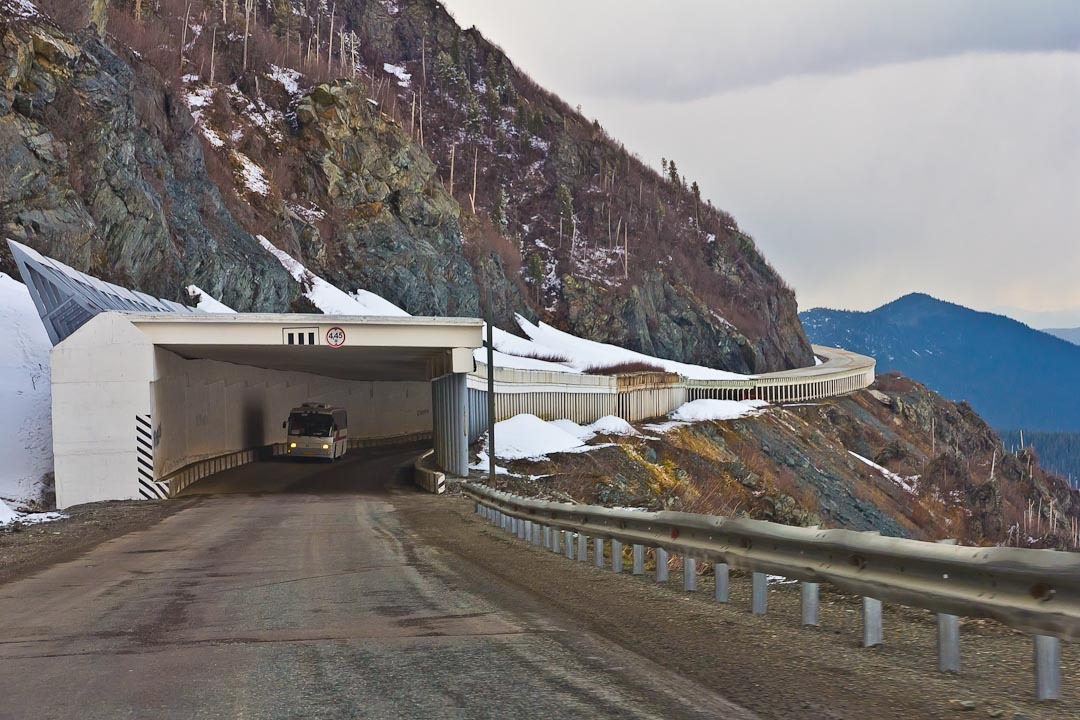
x,y
697,201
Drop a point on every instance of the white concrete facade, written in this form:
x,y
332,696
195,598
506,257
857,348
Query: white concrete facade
x,y
137,398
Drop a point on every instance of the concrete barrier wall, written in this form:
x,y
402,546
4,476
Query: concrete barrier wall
x,y
206,409
639,396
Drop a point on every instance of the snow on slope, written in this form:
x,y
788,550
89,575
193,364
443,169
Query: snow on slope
x,y
328,298
584,354
702,410
207,302
527,436
25,398
908,483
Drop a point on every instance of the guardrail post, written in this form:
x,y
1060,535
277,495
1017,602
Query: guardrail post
x,y
639,560
1047,668
809,592
759,599
582,548
661,565
948,643
568,537
598,552
616,556
556,539
479,508
872,635
538,534
689,574
521,529
720,591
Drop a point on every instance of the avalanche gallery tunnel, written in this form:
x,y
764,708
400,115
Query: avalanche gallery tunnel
x,y
145,390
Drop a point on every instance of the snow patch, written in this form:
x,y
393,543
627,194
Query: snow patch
x,y
287,77
19,8
253,176
612,425
910,484
25,396
581,432
207,302
526,436
404,78
328,298
702,410
584,354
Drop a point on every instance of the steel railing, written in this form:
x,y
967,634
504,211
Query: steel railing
x,y
1036,591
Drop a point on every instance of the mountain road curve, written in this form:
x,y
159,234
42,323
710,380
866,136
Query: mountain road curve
x,y
299,591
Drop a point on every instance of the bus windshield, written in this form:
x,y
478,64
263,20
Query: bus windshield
x,y
311,425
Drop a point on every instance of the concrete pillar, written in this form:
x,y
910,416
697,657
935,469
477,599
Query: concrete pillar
x,y
689,574
661,565
450,407
720,590
759,601
872,633
809,592
1047,668
948,643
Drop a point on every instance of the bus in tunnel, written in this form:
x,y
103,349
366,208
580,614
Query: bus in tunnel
x,y
318,431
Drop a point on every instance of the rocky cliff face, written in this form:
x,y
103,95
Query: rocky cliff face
x,y
98,168
434,182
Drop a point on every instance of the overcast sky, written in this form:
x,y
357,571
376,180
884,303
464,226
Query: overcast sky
x,y
872,148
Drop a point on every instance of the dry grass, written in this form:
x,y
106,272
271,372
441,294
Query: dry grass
x,y
624,368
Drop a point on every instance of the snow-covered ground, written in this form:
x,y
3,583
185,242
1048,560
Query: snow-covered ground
x,y
404,78
702,410
25,421
569,353
206,302
329,298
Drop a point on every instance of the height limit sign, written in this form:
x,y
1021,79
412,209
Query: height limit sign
x,y
335,337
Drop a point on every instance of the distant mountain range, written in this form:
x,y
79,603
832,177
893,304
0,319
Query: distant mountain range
x,y
1070,334
1014,376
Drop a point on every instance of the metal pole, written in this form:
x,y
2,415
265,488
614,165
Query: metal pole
x,y
720,592
661,565
616,556
1047,668
759,601
490,392
639,560
809,603
568,536
948,643
598,552
582,548
689,574
872,636
538,535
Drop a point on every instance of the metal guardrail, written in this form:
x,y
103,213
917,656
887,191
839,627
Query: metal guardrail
x,y
1037,591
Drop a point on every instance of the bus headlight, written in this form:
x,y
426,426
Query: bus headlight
x,y
325,447
292,445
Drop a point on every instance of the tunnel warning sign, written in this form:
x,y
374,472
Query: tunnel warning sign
x,y
335,337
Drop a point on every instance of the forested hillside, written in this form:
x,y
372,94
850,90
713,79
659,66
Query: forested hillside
x,y
382,145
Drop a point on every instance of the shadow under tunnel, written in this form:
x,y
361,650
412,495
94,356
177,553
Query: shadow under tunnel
x,y
364,471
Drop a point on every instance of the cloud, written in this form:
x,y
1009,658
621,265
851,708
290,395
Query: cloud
x,y
873,148
957,176
691,49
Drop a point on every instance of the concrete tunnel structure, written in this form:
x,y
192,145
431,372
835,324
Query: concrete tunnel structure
x,y
144,390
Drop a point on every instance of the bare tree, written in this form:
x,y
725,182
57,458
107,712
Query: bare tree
x,y
249,6
213,47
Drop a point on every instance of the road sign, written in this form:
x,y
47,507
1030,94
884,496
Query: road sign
x,y
335,337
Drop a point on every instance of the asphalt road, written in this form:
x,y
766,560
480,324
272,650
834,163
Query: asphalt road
x,y
298,591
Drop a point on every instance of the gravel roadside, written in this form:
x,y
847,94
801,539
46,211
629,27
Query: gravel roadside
x,y
769,665
25,549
